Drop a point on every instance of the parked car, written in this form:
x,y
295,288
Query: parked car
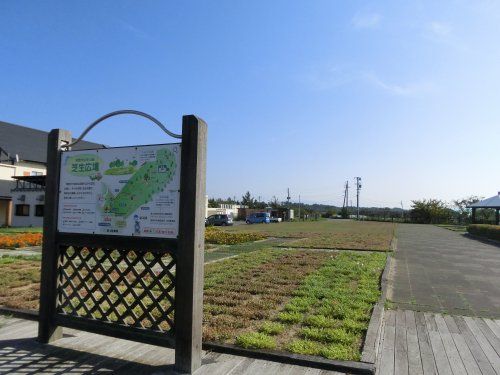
x,y
258,217
219,220
275,219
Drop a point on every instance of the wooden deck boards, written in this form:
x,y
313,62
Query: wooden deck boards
x,y
82,352
411,343
427,343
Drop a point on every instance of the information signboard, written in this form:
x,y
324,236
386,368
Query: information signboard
x,y
124,191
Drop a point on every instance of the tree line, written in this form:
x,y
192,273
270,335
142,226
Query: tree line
x,y
436,211
424,211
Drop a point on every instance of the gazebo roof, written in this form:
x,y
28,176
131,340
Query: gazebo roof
x,y
493,202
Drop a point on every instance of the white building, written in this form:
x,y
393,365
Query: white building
x,y
28,201
224,209
23,153
7,183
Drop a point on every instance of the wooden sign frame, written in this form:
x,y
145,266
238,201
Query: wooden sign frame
x,y
187,252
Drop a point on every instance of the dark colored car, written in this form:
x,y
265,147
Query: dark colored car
x,y
258,217
219,219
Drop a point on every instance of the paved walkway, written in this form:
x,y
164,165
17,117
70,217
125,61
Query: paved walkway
x,y
83,353
439,270
426,343
27,251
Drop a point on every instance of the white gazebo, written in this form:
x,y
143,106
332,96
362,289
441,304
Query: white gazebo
x,y
493,202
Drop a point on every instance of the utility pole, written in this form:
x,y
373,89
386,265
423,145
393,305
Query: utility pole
x,y
343,201
347,198
345,204
299,207
402,212
288,202
358,188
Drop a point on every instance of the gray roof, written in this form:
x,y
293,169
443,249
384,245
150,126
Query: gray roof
x,y
30,144
493,202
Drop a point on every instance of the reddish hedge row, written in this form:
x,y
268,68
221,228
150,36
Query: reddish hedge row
x,y
485,230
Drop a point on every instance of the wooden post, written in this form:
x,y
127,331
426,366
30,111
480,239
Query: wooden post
x,y
47,330
497,216
8,214
473,218
189,269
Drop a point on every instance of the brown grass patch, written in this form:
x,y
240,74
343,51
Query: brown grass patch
x,y
261,290
328,234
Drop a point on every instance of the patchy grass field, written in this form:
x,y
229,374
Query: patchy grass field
x,y
20,282
294,299
217,236
328,314
327,234
301,301
242,291
217,252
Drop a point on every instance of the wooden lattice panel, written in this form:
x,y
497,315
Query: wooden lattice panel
x,y
125,287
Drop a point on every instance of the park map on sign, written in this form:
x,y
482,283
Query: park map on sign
x,y
121,191
149,179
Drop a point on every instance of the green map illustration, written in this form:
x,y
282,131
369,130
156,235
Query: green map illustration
x,y
149,179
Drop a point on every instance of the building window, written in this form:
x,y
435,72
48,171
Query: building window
x,y
35,173
22,210
39,209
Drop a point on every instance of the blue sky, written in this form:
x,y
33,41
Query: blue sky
x,y
302,94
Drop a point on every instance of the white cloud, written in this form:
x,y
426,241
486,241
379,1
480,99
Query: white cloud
x,y
326,77
443,33
440,29
133,29
366,20
409,89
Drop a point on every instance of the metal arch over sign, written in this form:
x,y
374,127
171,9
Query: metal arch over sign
x,y
122,191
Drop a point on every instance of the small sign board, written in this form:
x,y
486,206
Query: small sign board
x,y
123,191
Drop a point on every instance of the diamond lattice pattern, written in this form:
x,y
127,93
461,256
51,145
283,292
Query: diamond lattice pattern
x,y
129,288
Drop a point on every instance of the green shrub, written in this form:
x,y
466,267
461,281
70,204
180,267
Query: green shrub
x,y
272,328
485,230
342,352
321,321
328,335
256,340
290,317
306,347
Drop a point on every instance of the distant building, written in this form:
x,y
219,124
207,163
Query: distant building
x,y
224,209
23,153
284,213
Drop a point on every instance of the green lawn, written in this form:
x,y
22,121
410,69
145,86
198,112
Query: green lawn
x,y
300,301
217,252
327,234
21,230
19,281
282,293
